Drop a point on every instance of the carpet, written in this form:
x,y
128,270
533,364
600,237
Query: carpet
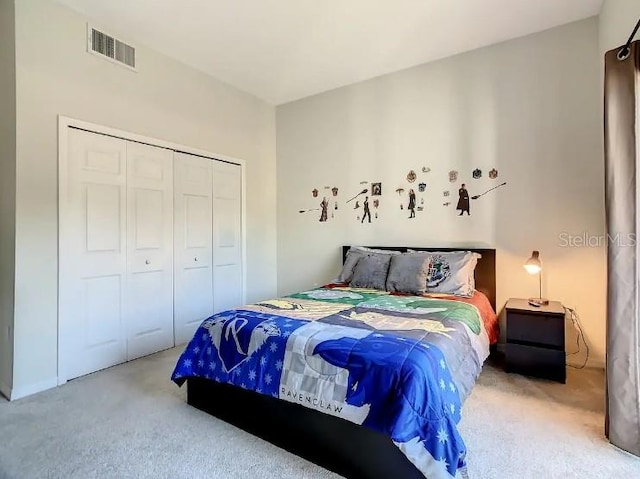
x,y
130,421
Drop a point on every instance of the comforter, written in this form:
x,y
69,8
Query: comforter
x,y
401,365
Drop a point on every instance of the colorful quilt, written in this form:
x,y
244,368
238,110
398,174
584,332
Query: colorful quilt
x,y
401,365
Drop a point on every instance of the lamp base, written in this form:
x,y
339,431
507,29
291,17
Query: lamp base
x,y
537,302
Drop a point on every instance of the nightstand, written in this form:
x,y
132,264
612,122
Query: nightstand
x,y
535,340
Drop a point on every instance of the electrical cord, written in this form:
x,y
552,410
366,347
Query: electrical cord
x,y
575,320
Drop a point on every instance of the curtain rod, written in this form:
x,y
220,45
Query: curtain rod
x,y
626,50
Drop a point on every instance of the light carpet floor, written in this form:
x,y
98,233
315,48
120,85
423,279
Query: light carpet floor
x,y
130,421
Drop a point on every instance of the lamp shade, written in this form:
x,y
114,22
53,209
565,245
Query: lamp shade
x,y
533,264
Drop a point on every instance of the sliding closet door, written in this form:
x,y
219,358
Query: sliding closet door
x,y
149,249
192,244
92,254
227,236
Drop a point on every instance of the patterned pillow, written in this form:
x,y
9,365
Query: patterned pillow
x,y
371,271
452,273
408,273
353,256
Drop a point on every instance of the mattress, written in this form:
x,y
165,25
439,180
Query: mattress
x,y
400,365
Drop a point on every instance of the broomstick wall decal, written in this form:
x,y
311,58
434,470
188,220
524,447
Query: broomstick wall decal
x,y
475,197
361,193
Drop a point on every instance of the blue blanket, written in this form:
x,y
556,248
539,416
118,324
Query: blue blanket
x,y
342,354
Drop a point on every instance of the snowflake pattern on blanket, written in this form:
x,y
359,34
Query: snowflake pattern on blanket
x,y
378,363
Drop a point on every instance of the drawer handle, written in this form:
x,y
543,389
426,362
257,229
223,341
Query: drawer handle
x,y
148,261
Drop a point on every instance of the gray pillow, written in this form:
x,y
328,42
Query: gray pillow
x,y
452,273
371,271
408,273
353,256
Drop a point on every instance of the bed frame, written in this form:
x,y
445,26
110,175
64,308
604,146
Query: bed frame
x,y
343,447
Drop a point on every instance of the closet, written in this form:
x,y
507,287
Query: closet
x,y
150,244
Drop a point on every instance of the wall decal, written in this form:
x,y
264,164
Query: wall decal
x,y
446,204
334,191
411,176
453,176
446,193
324,205
364,182
412,203
420,208
422,187
336,207
332,214
463,200
426,169
376,203
400,191
422,201
361,193
376,189
475,197
367,212
314,192
493,174
307,211
327,187
357,205
477,174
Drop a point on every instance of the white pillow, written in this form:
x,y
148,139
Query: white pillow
x,y
452,272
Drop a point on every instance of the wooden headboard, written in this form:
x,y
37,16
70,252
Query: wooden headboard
x,y
485,269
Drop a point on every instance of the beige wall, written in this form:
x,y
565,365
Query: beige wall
x,y
164,99
528,107
7,189
617,19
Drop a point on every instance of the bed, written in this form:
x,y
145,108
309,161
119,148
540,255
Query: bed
x,y
364,383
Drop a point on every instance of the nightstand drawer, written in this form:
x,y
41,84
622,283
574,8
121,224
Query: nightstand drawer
x,y
535,329
540,362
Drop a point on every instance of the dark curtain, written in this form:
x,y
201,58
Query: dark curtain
x,y
622,97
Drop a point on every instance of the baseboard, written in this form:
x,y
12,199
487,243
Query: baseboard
x,y
592,363
24,391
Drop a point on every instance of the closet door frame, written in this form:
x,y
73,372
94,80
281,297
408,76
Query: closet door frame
x,y
64,124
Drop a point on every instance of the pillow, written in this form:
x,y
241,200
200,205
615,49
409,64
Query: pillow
x,y
452,273
371,271
353,255
408,273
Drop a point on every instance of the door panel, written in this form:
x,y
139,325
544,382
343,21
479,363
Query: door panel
x,y
92,255
150,208
149,249
192,244
103,217
227,236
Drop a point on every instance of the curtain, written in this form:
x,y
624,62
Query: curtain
x,y
622,98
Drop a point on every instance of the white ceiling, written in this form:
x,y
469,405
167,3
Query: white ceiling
x,y
283,50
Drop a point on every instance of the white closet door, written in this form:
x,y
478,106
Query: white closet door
x,y
149,294
92,254
192,244
227,236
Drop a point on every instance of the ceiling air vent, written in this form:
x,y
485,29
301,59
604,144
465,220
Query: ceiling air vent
x,y
109,47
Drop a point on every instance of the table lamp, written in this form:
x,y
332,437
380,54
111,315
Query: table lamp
x,y
534,266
